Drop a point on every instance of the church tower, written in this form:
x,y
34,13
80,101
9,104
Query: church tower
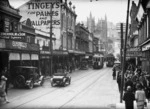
x,y
91,23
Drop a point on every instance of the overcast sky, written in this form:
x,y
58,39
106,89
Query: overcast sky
x,y
115,10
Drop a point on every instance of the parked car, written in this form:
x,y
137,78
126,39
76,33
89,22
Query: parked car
x,y
27,76
61,78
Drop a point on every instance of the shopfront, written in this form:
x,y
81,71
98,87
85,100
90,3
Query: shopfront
x,y
15,53
133,55
146,57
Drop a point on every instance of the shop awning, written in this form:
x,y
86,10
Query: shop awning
x,y
34,57
25,56
14,56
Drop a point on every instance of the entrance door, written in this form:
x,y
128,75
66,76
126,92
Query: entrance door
x,y
3,60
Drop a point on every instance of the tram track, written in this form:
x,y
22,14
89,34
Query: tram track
x,y
65,91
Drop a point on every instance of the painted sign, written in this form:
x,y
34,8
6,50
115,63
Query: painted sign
x,y
39,12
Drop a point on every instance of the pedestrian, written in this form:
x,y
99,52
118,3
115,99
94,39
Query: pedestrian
x,y
128,83
114,73
140,97
129,98
3,87
119,80
6,74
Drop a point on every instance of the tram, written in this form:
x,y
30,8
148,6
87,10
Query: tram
x,y
110,59
98,61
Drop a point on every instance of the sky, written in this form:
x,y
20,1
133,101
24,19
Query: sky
x,y
115,10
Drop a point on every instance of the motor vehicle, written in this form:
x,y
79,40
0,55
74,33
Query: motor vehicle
x,y
27,76
60,78
84,65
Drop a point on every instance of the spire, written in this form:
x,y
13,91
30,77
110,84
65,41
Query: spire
x,y
105,17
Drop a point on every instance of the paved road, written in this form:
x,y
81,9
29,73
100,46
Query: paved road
x,y
88,89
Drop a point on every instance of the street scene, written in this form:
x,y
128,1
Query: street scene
x,y
88,89
81,54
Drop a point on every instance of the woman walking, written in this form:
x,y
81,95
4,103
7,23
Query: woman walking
x,y
140,97
114,73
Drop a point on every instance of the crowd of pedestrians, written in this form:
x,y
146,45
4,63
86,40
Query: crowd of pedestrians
x,y
136,86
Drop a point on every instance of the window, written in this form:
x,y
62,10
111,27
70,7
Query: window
x,y
11,26
44,43
28,39
38,41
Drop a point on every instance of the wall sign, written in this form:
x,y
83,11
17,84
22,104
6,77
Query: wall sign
x,y
39,13
15,36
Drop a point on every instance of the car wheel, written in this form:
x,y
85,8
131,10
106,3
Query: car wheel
x,y
19,81
31,85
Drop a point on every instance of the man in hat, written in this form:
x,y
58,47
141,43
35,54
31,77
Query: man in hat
x,y
3,87
129,98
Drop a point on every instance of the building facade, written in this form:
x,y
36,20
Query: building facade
x,y
143,18
16,40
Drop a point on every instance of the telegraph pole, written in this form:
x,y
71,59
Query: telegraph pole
x,y
124,53
121,56
51,43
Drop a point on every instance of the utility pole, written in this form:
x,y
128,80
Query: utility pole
x,y
121,56
124,53
121,51
51,43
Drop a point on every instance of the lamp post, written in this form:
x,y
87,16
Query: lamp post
x,y
124,53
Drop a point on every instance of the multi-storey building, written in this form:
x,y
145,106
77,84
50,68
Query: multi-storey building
x,y
143,18
133,50
16,39
82,41
45,14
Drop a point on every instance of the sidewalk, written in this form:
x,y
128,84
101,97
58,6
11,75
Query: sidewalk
x,y
122,105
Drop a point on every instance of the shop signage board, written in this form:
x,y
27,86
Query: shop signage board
x,y
13,35
134,52
146,47
21,45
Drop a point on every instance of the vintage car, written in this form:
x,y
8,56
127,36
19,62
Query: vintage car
x,y
27,76
84,65
61,78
